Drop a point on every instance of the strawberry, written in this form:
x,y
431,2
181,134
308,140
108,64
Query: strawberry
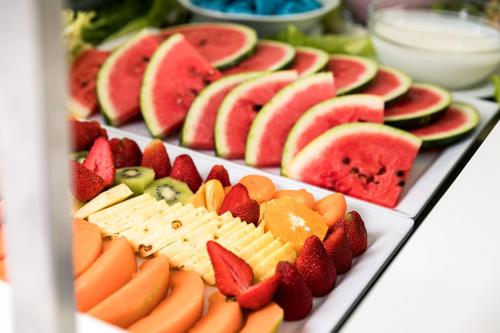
x,y
355,229
155,157
293,295
100,160
86,183
259,295
185,170
238,202
232,274
126,153
220,173
84,133
316,267
338,248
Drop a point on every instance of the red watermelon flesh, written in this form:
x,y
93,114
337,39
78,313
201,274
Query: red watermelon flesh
x,y
387,83
345,71
451,119
364,164
173,79
306,61
124,80
238,115
414,100
82,81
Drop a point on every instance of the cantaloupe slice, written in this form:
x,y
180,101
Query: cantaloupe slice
x,y
87,245
266,320
138,297
2,246
3,275
179,310
111,271
223,316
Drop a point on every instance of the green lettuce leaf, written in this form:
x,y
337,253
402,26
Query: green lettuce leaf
x,y
496,83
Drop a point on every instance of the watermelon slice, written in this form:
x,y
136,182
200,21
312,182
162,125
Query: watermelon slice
x,y
222,44
173,79
422,104
269,56
198,129
120,78
456,122
328,114
82,82
241,106
270,128
309,60
351,73
365,160
389,83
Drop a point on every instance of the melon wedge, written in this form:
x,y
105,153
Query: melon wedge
x,y
266,320
351,73
270,128
328,114
198,129
120,78
87,245
221,44
389,83
309,60
240,107
269,56
174,77
365,160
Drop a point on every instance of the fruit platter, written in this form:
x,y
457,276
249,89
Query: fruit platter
x,y
222,245
331,121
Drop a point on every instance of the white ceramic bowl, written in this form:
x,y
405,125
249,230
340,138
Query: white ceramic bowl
x,y
266,25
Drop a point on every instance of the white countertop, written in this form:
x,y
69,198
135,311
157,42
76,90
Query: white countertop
x,y
447,277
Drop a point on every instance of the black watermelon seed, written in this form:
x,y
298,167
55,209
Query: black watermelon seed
x,y
346,160
354,170
381,171
400,173
401,183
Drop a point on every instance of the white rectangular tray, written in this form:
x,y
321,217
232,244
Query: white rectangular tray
x,y
429,171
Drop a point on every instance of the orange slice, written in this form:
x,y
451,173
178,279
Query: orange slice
x,y
293,222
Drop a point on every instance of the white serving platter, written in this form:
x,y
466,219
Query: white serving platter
x,y
429,171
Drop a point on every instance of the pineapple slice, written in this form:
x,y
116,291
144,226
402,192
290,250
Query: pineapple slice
x,y
264,253
102,216
286,252
238,245
248,251
105,199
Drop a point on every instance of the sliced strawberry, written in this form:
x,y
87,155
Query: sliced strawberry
x,y
356,233
232,274
338,248
126,153
248,211
84,133
220,173
293,295
100,160
155,157
185,170
238,202
316,267
259,295
86,183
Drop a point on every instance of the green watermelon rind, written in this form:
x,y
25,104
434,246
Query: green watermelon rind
x,y
195,111
321,59
447,138
405,85
287,58
147,107
371,68
425,116
316,147
105,105
320,109
234,59
265,114
221,145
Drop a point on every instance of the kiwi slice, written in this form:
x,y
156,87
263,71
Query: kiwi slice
x,y
136,178
170,190
79,156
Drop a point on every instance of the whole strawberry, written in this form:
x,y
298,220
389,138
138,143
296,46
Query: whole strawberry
x,y
84,133
338,248
355,230
293,295
126,152
185,170
316,267
86,183
220,173
259,295
155,157
239,203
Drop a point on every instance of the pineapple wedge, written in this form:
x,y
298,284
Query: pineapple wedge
x,y
284,253
102,217
264,253
105,199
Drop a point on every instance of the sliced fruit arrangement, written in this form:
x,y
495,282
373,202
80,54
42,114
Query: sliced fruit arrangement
x,y
268,56
309,60
389,83
351,73
422,104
